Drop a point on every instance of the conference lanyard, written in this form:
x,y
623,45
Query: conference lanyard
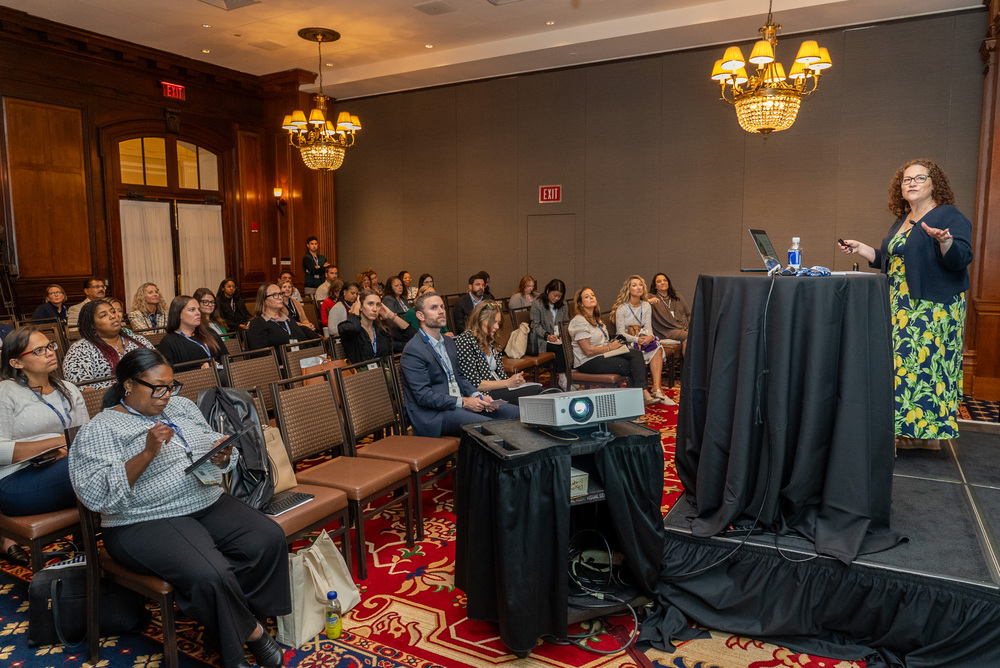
x,y
491,362
65,421
374,341
453,388
203,346
163,418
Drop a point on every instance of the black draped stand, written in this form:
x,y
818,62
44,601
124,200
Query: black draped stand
x,y
513,520
807,450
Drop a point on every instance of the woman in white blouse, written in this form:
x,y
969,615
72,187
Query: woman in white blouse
x,y
591,343
632,317
35,408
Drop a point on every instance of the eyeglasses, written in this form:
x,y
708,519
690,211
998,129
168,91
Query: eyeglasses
x,y
915,179
41,350
160,391
207,302
275,294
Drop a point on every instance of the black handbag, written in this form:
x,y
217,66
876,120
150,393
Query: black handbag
x,y
57,606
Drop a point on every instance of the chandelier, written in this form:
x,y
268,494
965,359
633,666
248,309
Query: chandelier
x,y
321,143
769,100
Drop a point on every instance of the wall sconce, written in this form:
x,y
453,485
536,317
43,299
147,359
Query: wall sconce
x,y
280,201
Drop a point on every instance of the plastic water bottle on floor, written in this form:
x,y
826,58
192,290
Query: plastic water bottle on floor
x,y
795,254
334,623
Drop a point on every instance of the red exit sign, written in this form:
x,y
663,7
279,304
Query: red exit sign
x,y
549,194
172,90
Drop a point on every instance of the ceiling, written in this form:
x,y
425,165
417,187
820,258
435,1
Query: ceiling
x,y
391,45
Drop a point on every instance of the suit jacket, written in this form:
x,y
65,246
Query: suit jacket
x,y
425,385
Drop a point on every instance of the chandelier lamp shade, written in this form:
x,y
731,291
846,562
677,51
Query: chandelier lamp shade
x,y
321,142
769,100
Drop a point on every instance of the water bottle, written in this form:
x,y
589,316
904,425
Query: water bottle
x,y
795,254
334,624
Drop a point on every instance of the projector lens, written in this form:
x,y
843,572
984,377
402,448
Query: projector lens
x,y
581,409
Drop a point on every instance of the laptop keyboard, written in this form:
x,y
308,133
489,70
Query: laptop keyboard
x,y
285,501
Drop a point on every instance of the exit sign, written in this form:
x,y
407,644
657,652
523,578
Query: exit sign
x,y
173,91
549,194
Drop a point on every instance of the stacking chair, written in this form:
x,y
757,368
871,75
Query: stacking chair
x,y
233,345
195,378
310,424
337,348
100,564
154,334
37,531
449,307
369,409
93,396
293,353
579,377
542,359
671,356
53,329
511,365
254,368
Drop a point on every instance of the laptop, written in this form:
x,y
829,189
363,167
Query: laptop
x,y
766,249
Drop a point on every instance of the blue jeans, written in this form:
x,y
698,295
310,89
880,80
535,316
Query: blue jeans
x,y
35,490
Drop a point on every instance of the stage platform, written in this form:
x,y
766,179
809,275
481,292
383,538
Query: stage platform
x,y
924,602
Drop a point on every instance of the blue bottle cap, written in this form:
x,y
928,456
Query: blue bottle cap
x,y
330,595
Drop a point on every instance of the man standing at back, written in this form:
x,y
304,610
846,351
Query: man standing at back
x,y
464,306
438,399
94,288
313,264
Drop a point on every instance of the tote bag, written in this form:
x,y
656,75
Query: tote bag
x,y
517,344
312,572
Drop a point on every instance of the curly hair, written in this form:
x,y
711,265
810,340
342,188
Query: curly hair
x,y
485,312
940,187
671,293
139,300
623,295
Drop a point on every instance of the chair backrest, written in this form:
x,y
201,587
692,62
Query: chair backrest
x,y
337,348
567,348
366,395
93,396
503,334
195,378
449,307
293,353
519,315
233,346
54,331
154,335
307,416
254,368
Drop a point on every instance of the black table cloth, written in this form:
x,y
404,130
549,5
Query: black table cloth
x,y
800,435
513,520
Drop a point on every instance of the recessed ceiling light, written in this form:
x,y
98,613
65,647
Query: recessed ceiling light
x,y
550,23
206,51
428,46
329,64
206,25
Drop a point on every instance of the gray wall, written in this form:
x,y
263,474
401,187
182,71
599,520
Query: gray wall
x,y
655,170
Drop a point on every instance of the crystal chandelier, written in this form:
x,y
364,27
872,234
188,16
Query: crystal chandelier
x,y
321,143
768,100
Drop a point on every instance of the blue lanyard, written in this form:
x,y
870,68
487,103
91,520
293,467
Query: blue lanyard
x,y
487,358
152,319
203,346
374,340
445,366
65,421
637,318
283,323
163,418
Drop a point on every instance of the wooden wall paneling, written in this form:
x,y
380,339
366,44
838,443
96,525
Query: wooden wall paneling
x,y
253,197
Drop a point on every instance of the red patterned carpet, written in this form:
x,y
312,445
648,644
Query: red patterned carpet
x,y
411,614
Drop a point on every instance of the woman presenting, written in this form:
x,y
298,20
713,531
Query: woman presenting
x,y
926,256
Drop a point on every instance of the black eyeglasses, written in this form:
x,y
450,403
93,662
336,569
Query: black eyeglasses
x,y
275,294
41,350
915,179
207,302
160,391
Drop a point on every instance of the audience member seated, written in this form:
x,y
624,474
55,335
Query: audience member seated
x,y
631,316
228,562
486,286
425,279
338,312
94,288
148,310
411,290
271,327
188,337
294,307
394,296
325,290
525,295
334,289
231,307
363,281
373,283
210,310
411,313
546,313
368,333
671,314
438,399
591,341
119,310
463,307
290,277
35,408
479,361
103,342
54,307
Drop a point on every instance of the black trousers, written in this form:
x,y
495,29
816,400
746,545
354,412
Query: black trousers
x,y
227,563
630,364
513,394
557,350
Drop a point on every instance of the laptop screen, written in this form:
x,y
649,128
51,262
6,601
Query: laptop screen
x,y
766,250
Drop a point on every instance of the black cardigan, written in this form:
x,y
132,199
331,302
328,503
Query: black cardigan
x,y
358,345
233,310
930,275
178,349
272,333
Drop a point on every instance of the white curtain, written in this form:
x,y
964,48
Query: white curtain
x,y
147,250
203,262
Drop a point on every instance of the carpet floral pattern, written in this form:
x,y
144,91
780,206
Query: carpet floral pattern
x,y
411,614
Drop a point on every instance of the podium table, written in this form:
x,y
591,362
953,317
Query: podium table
x,y
512,506
808,445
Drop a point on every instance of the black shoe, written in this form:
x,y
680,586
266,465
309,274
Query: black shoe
x,y
16,556
267,651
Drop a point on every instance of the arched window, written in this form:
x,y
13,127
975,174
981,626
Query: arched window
x,y
166,162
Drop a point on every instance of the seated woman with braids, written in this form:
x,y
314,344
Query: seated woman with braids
x,y
188,338
102,344
227,561
35,408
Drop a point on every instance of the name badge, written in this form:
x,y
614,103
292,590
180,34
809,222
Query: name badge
x,y
206,475
453,388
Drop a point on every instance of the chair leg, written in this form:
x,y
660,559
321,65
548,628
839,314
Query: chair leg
x,y
93,616
37,556
359,535
170,658
409,515
345,539
416,489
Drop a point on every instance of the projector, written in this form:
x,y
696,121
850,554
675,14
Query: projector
x,y
573,410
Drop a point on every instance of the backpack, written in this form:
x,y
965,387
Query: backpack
x,y
228,410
